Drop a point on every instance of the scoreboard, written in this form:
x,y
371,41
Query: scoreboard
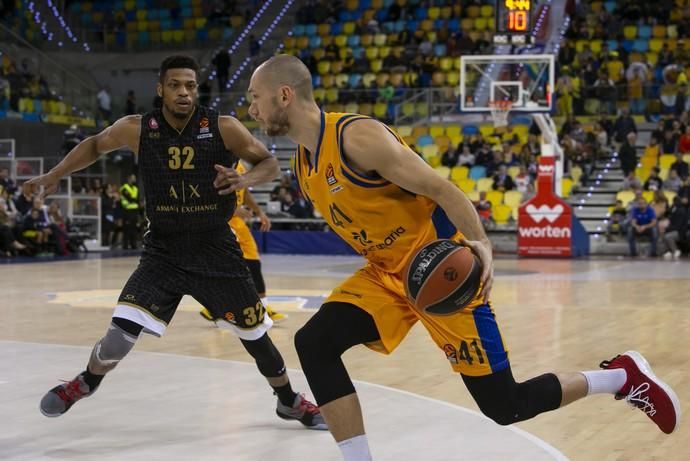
x,y
513,21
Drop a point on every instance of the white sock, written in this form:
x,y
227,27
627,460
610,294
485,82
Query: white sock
x,y
355,449
264,301
605,381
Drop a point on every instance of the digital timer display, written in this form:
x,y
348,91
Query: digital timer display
x,y
513,16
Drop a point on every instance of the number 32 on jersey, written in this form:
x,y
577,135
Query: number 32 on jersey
x,y
181,158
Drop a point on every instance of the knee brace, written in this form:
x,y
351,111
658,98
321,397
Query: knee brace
x,y
110,349
268,359
506,402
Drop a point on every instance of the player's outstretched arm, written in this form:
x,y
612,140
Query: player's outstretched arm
x,y
240,141
400,165
123,133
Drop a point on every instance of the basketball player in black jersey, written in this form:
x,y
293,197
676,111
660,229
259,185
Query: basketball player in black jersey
x,y
185,155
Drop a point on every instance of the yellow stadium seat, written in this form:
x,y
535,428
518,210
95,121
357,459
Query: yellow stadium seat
x,y
672,31
625,196
473,11
566,187
655,45
659,31
332,95
652,58
455,140
434,161
512,198
289,42
372,53
377,4
384,52
648,162
466,185
302,42
487,11
26,105
513,171
380,109
445,63
129,5
323,67
368,15
648,195
141,15
167,36
457,63
670,195
642,173
501,213
340,41
318,53
595,46
368,79
458,173
430,151
327,81
442,142
576,173
434,12
484,184
453,130
236,21
422,109
349,28
366,109
427,25
443,171
352,108
324,29
376,65
320,94
404,130
686,158
494,196
380,39
131,26
436,130
446,12
666,160
420,130
486,130
382,79
481,23
663,174
467,24
352,5
336,67
630,32
396,80
473,195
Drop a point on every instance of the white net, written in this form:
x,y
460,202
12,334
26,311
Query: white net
x,y
500,111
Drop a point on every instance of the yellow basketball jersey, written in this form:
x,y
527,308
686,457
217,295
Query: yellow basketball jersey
x,y
240,193
381,221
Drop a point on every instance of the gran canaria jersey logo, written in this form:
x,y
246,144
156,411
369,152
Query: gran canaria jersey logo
x,y
370,246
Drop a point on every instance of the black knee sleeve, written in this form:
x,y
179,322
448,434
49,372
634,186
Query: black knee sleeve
x,y
254,266
128,326
335,328
268,359
506,402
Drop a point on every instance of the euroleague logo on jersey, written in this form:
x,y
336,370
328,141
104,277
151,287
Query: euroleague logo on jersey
x,y
330,175
204,129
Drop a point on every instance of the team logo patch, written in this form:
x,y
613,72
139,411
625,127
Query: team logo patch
x,y
153,124
451,353
230,317
330,175
203,126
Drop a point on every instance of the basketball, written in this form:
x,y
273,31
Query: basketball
x,y
443,277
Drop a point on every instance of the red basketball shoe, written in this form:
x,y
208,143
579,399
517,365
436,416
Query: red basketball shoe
x,y
645,391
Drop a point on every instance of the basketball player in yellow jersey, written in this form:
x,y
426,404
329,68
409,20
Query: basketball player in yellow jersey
x,y
380,197
250,250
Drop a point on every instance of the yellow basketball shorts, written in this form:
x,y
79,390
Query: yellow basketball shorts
x,y
244,238
470,339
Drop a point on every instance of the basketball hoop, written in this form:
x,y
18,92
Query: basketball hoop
x,y
499,112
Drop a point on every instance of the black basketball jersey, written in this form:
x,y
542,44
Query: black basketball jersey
x,y
177,170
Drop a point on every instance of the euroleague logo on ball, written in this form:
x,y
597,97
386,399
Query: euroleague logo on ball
x,y
450,274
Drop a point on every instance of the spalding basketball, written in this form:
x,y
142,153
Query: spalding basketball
x,y
443,277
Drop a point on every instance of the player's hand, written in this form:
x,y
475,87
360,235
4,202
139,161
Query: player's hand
x,y
49,182
243,213
228,180
265,222
484,252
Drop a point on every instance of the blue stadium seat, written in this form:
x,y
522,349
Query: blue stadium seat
x,y
353,41
186,12
421,13
86,19
316,81
644,31
425,140
163,14
344,16
440,50
388,27
454,25
469,130
381,15
202,35
336,29
144,38
477,172
400,25
121,38
314,41
166,24
356,15
388,3
439,24
310,29
627,45
130,16
177,23
412,25
227,33
298,30
364,4
613,44
358,52
641,45
610,6
354,80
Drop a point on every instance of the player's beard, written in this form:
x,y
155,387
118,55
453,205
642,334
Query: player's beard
x,y
179,115
278,124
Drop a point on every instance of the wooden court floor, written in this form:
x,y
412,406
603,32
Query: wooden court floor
x,y
555,315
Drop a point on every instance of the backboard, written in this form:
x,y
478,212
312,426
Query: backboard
x,y
527,80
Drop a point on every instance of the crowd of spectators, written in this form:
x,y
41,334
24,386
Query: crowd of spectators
x,y
20,81
626,64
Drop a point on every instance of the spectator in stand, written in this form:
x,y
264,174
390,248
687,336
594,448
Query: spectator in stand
x,y
222,62
483,207
508,157
502,180
533,145
673,182
680,166
450,157
485,157
631,182
677,229
58,227
36,224
295,208
654,182
684,193
522,180
466,158
628,154
131,103
635,91
623,126
642,223
564,93
653,149
600,134
618,221
670,143
659,204
24,203
684,141
605,91
104,103
7,183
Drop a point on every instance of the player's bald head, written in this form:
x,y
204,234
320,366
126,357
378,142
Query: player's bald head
x,y
285,70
